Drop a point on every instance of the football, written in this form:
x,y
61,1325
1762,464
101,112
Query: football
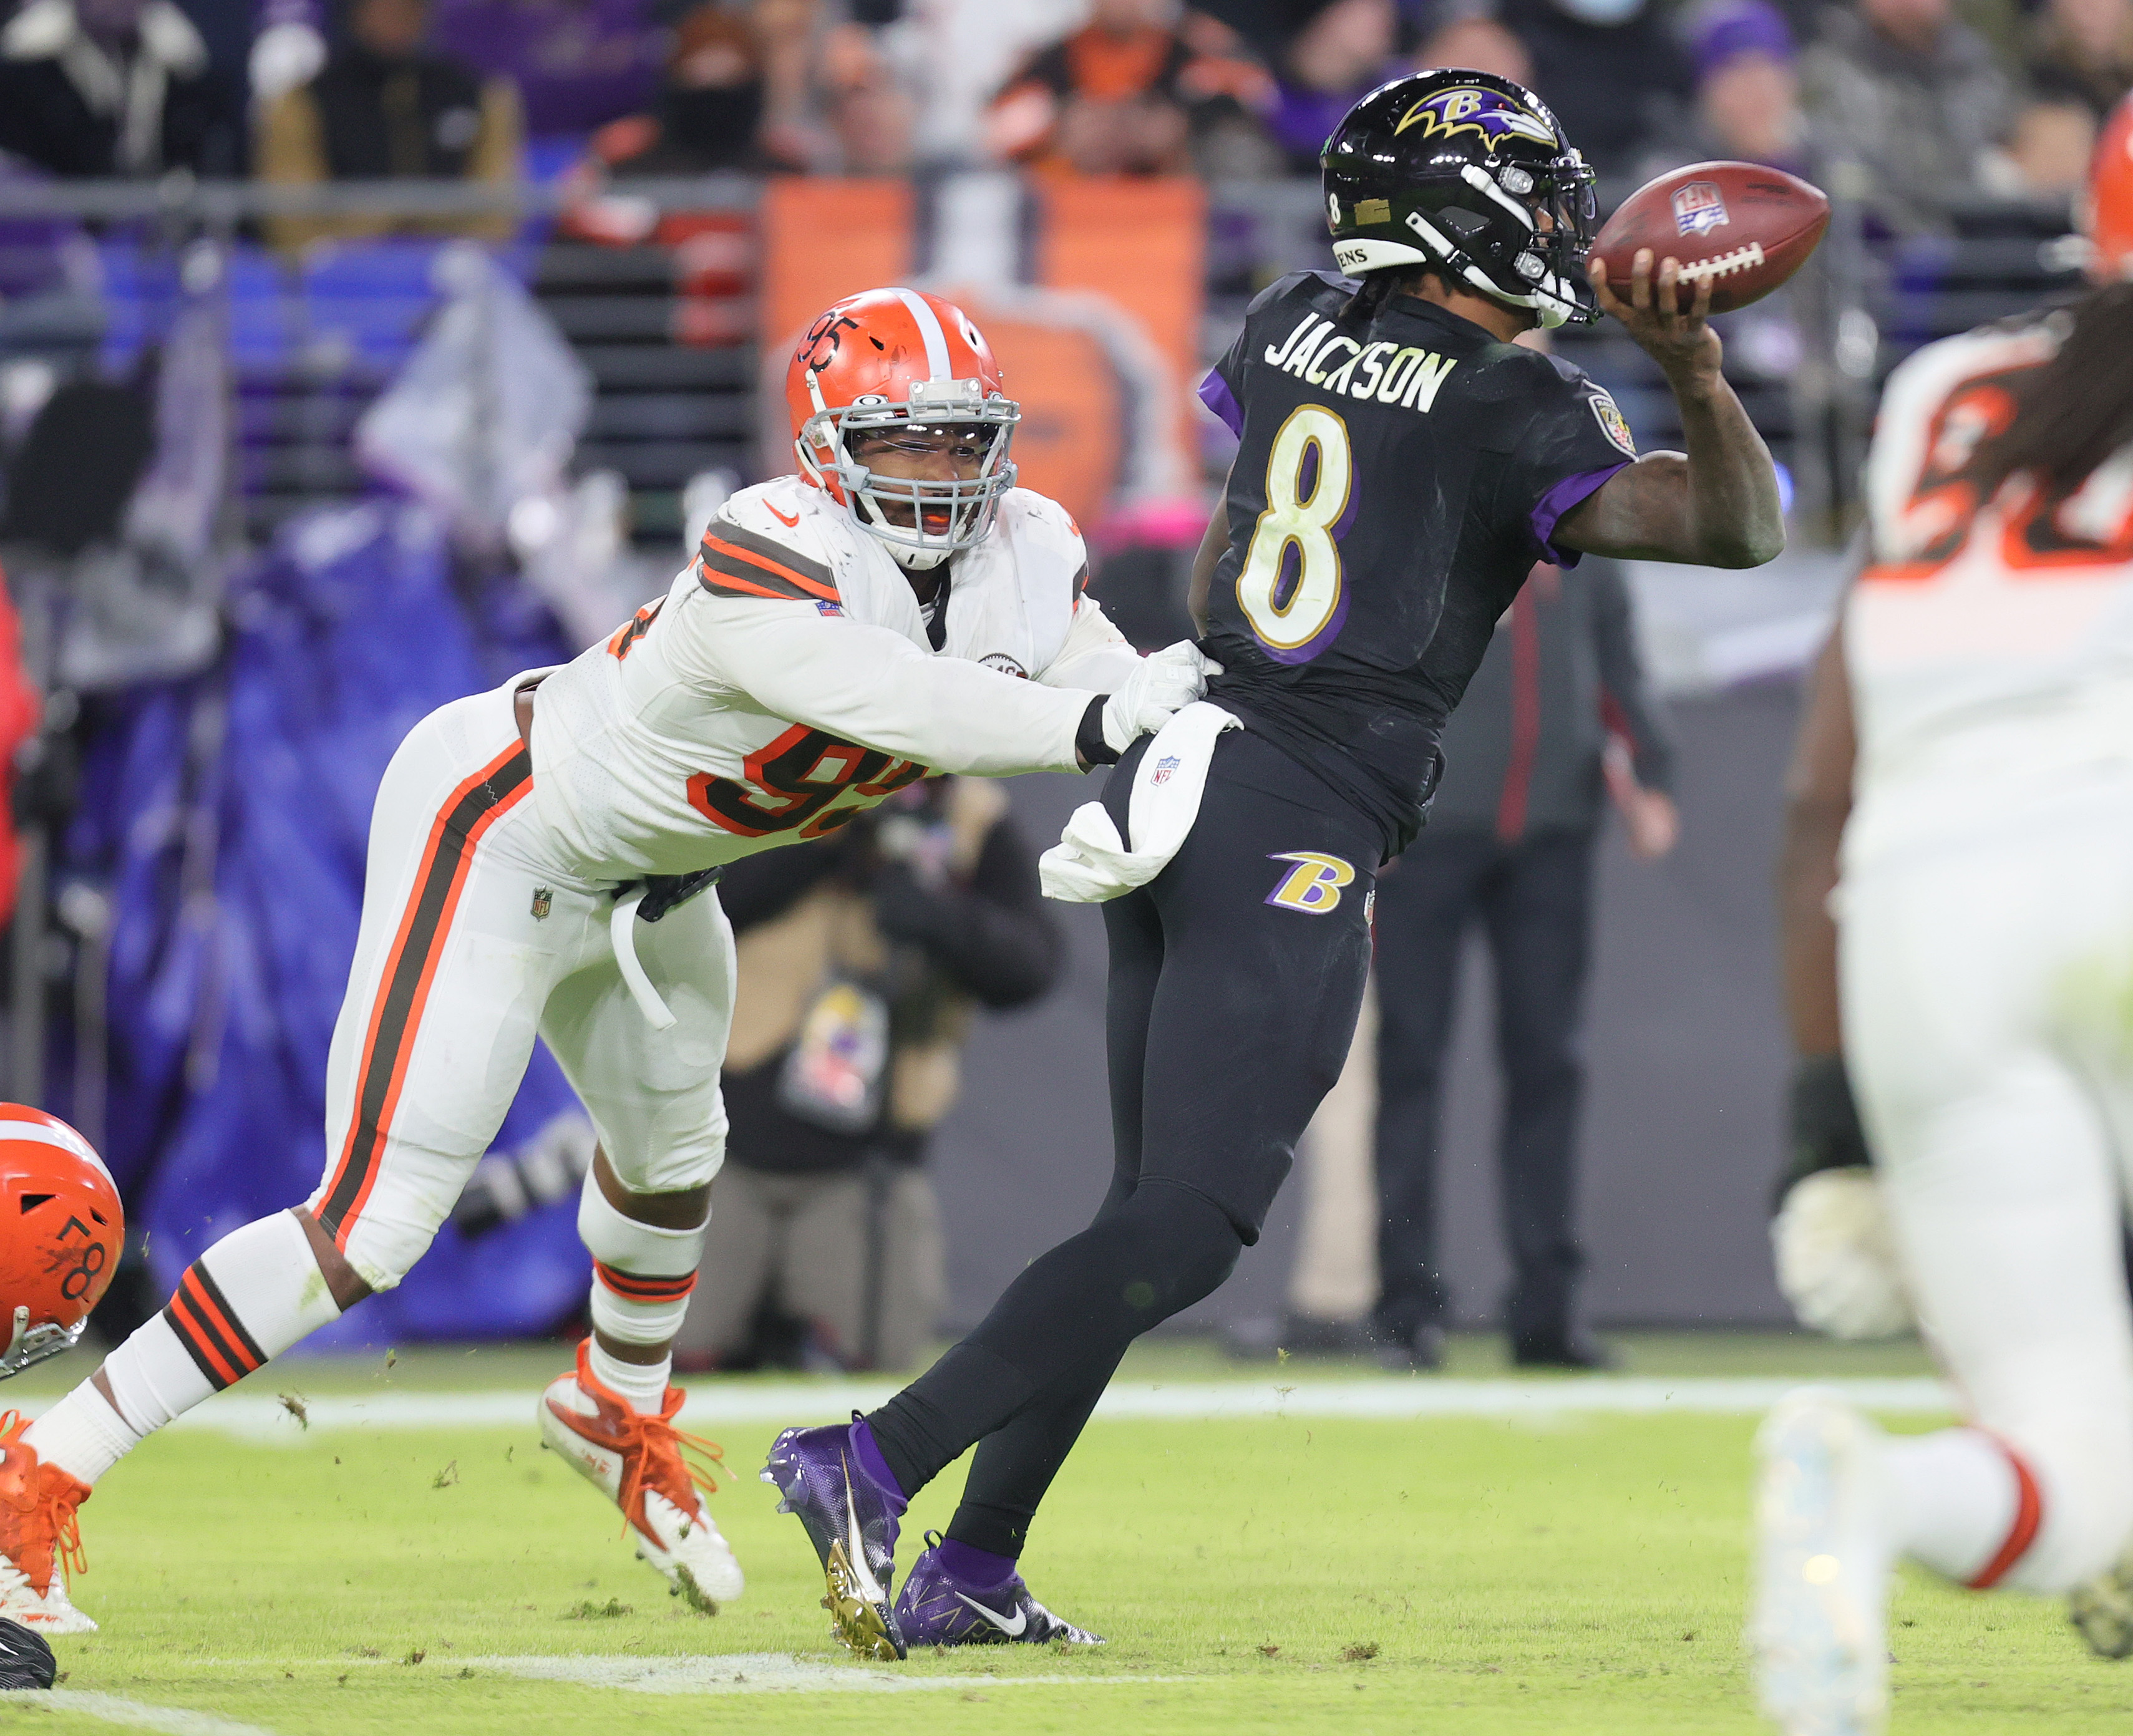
x,y
1747,228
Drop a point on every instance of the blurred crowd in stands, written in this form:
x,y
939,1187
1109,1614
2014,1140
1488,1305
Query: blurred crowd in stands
x,y
1934,101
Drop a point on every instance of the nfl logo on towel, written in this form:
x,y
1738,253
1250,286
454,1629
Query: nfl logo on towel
x,y
1699,207
1163,767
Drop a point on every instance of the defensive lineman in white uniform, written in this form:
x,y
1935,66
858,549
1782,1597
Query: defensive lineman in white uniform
x,y
537,864
1969,734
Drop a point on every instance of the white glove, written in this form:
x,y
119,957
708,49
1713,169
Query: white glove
x,y
285,56
1837,1258
1163,682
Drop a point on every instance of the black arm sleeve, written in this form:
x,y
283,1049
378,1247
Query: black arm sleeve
x,y
1626,693
994,939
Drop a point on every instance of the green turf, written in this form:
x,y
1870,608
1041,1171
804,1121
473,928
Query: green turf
x,y
1164,1356
1452,1575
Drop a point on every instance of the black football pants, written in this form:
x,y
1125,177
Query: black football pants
x,y
1235,977
1534,899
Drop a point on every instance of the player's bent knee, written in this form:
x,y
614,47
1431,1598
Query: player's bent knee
x,y
1181,1247
643,1274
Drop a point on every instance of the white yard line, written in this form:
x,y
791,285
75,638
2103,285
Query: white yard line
x,y
770,1673
259,1417
134,1713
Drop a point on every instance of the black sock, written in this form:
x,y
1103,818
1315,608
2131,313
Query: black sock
x,y
1141,1261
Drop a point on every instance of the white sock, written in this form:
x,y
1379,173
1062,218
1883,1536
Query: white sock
x,y
1956,1497
244,1302
82,1435
643,1385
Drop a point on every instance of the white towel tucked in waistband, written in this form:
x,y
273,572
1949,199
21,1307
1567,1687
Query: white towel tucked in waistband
x,y
1090,863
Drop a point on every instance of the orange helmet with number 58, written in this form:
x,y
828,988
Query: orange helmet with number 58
x,y
890,359
2109,199
61,1228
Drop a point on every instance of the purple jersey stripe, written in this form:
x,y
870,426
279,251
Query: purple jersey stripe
x,y
1215,394
1558,500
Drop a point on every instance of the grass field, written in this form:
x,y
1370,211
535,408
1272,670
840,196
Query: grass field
x,y
1559,1571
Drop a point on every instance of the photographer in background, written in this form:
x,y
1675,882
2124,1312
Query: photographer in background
x,y
860,959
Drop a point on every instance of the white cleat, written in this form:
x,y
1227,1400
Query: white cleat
x,y
637,1462
38,1539
1822,1561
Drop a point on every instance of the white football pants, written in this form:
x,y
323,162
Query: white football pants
x,y
1988,1014
472,942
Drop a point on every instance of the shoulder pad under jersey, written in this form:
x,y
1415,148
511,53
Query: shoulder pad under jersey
x,y
769,542
1052,564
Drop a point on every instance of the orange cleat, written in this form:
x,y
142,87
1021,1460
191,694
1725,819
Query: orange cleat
x,y
39,1543
637,1462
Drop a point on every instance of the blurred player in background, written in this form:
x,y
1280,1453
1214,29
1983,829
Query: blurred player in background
x,y
1402,465
1969,736
539,861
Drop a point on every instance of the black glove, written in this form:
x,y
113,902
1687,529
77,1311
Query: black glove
x,y
1824,1132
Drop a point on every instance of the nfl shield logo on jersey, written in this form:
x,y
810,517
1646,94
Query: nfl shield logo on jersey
x,y
543,899
1699,207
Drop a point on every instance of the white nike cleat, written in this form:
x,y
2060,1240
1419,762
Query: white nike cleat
x,y
637,1462
39,1541
1822,1561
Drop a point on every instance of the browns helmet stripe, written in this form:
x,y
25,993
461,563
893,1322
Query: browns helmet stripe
x,y
735,562
639,1288
467,814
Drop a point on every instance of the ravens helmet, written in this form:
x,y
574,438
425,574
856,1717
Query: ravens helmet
x,y
1470,173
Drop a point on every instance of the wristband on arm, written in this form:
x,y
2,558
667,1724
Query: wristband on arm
x,y
1824,1131
1089,738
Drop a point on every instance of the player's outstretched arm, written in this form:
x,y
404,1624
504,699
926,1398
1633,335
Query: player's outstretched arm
x,y
868,685
1718,506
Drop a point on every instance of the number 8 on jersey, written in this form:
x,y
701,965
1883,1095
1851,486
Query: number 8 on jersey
x,y
1310,471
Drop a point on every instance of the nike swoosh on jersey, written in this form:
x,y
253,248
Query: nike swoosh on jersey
x,y
791,523
1012,1629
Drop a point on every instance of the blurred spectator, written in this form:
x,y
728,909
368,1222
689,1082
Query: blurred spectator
x,y
114,87
710,111
1477,40
2080,53
1509,848
1747,92
2047,152
1914,98
577,63
1340,50
1611,71
381,109
860,959
956,56
1128,93
871,112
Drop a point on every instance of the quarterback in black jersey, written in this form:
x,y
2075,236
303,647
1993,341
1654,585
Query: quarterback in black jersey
x,y
1402,465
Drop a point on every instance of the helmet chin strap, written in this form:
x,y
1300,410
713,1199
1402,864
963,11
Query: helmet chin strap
x,y
915,560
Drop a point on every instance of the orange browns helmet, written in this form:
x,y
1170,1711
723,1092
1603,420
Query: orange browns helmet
x,y
61,1228
2109,199
890,357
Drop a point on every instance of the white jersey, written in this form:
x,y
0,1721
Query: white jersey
x,y
787,681
1990,645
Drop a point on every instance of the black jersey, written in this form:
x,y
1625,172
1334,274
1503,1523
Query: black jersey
x,y
1394,485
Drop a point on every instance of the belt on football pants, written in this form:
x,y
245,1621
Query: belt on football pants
x,y
651,898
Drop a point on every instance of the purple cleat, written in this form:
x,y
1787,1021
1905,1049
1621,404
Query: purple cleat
x,y
852,1521
937,1608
